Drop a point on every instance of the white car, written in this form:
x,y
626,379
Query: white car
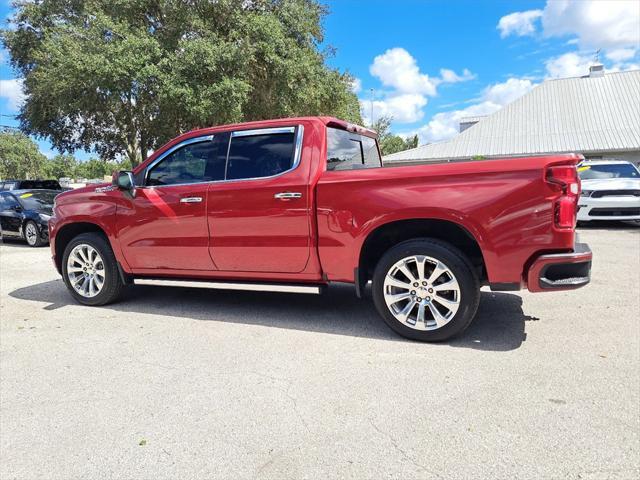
x,y
610,190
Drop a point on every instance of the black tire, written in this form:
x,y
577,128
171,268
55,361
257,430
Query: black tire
x,y
38,241
457,263
113,284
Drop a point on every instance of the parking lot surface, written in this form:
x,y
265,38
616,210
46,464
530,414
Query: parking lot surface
x,y
176,383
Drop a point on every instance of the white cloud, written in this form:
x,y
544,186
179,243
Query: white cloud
x,y
445,125
396,68
404,108
568,65
11,90
605,24
506,92
356,85
621,54
519,23
408,88
449,76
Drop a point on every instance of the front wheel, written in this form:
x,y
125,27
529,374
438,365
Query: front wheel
x,y
426,290
32,234
90,270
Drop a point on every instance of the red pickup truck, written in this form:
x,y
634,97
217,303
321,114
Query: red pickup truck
x,y
291,205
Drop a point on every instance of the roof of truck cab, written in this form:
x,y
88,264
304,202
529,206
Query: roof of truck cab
x,y
330,121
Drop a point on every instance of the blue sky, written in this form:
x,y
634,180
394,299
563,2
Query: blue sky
x,y
432,62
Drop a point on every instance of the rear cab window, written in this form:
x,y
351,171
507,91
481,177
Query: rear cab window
x,y
351,151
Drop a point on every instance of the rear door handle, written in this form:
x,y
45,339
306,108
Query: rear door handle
x,y
287,195
191,200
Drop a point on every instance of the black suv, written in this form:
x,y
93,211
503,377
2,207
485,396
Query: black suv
x,y
30,185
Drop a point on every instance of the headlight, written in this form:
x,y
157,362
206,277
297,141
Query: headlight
x,y
44,217
586,193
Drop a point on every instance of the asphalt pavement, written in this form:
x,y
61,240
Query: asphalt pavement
x,y
176,383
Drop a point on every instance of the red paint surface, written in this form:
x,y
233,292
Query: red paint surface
x,y
241,231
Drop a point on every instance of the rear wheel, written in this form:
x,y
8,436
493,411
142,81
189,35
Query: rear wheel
x,y
426,290
90,270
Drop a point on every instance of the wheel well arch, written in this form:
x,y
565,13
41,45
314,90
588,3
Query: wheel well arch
x,y
69,232
390,234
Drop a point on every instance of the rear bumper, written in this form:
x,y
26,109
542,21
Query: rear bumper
x,y
561,271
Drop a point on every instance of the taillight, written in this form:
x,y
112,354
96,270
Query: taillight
x,y
565,178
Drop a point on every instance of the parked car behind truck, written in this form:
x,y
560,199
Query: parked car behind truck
x,y
292,205
24,214
610,191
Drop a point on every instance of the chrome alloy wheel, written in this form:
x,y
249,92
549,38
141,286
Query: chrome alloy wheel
x,y
422,292
85,270
31,233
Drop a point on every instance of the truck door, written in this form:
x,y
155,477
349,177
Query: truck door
x,y
164,226
259,217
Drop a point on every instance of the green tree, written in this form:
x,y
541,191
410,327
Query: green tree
x,y
20,157
122,77
96,168
61,166
390,143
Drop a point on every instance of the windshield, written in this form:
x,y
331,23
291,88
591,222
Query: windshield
x,y
608,170
37,200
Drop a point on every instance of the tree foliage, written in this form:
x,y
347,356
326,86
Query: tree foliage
x,y
390,143
124,76
20,157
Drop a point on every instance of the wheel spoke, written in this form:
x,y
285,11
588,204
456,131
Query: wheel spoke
x,y
420,319
407,273
420,264
404,313
74,269
82,255
450,285
437,316
437,271
397,283
450,304
391,299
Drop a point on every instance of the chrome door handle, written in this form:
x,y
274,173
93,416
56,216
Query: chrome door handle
x,y
191,200
287,195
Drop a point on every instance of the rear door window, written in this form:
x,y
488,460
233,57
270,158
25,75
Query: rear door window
x,y
260,153
349,151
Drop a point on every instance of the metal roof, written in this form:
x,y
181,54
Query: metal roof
x,y
582,115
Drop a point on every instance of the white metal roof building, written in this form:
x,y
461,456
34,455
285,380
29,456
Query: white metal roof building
x,y
597,115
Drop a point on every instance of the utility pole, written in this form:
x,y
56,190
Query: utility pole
x,y
371,117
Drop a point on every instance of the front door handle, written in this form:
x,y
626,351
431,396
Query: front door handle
x,y
287,195
191,200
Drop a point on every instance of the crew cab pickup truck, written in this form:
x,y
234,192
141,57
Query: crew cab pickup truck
x,y
292,205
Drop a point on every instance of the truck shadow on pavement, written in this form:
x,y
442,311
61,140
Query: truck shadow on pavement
x,y
499,324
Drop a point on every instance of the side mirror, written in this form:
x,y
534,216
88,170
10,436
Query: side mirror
x,y
123,180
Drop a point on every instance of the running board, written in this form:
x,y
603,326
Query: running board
x,y
255,287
